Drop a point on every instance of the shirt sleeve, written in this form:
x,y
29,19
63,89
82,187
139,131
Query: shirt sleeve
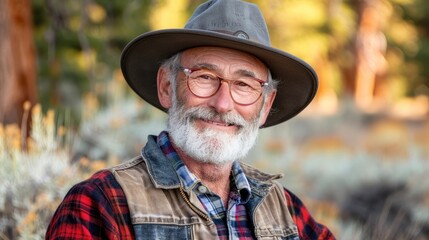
x,y
93,209
308,228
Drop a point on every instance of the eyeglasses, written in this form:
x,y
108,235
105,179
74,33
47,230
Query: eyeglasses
x,y
204,83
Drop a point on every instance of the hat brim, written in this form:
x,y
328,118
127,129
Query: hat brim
x,y
142,57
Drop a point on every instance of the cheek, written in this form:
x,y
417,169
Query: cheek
x,y
185,97
250,113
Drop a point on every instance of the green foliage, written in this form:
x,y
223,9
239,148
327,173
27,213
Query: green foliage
x,y
79,45
416,14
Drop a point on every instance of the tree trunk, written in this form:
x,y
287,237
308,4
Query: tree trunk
x,y
17,60
370,50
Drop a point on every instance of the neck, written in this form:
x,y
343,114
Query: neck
x,y
214,176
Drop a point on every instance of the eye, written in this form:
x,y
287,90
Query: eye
x,y
241,84
204,76
246,85
207,77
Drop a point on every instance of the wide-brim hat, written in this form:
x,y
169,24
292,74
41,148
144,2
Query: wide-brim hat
x,y
222,23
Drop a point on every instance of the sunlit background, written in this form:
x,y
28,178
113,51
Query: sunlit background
x,y
358,156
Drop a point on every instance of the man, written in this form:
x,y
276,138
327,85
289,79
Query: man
x,y
215,78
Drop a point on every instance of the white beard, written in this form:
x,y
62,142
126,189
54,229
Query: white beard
x,y
211,145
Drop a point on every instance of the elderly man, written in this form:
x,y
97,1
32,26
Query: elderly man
x,y
220,81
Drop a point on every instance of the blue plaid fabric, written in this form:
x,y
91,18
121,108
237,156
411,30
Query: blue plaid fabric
x,y
231,221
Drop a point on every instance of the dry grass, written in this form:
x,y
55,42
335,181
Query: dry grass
x,y
35,175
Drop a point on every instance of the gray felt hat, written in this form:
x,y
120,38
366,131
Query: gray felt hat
x,y
222,23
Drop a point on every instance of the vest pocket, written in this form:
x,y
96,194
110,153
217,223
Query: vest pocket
x,y
161,231
290,237
277,233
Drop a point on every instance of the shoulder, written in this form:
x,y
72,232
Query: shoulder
x,y
128,164
102,183
96,206
99,193
131,168
92,189
252,172
308,227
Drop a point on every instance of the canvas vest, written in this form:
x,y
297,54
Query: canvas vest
x,y
161,208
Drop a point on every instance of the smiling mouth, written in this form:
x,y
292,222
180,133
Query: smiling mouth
x,y
223,124
216,120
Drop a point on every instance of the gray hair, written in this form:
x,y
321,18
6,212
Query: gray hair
x,y
172,65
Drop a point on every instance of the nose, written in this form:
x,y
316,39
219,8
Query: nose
x,y
222,101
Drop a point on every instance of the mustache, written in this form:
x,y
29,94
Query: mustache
x,y
211,115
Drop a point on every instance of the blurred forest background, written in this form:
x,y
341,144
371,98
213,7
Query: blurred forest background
x,y
358,156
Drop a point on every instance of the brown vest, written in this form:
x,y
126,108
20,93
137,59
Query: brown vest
x,y
159,210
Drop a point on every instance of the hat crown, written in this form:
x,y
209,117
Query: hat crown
x,y
241,19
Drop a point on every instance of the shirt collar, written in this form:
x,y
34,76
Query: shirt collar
x,y
241,182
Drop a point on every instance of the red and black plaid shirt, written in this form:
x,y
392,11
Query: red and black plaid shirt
x,y
97,209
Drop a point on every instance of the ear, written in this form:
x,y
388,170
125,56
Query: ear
x,y
267,107
164,88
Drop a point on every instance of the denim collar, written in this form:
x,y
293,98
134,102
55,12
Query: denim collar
x,y
160,169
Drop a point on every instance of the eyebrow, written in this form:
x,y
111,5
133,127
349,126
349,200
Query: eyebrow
x,y
208,66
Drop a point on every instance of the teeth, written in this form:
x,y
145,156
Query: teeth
x,y
218,123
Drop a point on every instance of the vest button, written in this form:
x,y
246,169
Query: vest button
x,y
202,189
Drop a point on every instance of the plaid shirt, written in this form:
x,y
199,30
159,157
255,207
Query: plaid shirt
x,y
235,218
97,209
